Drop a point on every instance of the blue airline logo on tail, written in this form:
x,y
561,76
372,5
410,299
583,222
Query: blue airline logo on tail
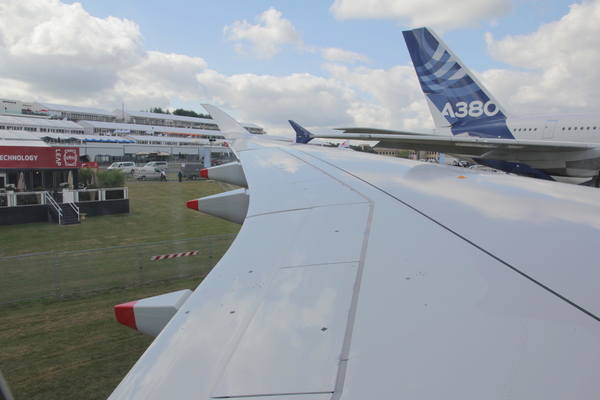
x,y
448,84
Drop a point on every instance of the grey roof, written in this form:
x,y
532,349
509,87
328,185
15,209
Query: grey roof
x,y
148,128
17,135
172,117
24,135
141,138
38,122
17,142
75,109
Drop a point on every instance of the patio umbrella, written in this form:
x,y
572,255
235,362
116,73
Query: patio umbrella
x,y
21,184
70,180
95,179
141,153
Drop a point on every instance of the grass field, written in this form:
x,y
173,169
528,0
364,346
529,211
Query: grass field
x,y
72,348
157,213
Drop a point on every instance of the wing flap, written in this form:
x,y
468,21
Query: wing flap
x,y
294,341
281,181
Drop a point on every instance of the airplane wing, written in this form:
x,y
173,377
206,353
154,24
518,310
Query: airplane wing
x,y
356,276
467,145
379,131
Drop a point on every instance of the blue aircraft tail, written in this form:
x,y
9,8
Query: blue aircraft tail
x,y
454,95
302,135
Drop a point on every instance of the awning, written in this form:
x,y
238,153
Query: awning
x,y
104,139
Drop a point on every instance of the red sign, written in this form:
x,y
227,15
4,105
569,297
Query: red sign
x,y
91,164
23,157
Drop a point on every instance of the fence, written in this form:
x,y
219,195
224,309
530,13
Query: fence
x,y
58,274
11,198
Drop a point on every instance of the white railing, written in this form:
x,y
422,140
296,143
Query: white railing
x,y
101,194
14,199
54,205
76,209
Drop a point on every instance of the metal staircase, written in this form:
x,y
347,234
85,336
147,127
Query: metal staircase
x,y
65,213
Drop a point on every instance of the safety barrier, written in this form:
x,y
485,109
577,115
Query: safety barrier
x,y
58,274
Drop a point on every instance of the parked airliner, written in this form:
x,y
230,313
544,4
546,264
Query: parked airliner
x,y
471,123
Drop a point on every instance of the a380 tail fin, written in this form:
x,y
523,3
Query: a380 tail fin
x,y
453,93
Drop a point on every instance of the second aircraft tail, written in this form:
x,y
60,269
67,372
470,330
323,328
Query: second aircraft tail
x,y
454,95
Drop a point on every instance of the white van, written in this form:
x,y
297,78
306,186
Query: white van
x,y
162,165
145,173
126,166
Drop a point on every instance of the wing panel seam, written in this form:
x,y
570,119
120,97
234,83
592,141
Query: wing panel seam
x,y
458,235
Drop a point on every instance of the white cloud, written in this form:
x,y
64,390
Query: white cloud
x,y
159,78
270,101
266,37
439,14
334,54
349,97
389,99
59,53
557,65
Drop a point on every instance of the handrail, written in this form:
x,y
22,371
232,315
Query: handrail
x,y
54,204
76,209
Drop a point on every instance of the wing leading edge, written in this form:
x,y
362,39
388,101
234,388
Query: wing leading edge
x,y
356,276
465,145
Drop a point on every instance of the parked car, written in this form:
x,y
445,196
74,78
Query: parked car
x,y
191,170
163,165
126,166
145,173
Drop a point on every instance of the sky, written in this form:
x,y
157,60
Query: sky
x,y
324,64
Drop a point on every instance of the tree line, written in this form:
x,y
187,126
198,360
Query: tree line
x,y
179,111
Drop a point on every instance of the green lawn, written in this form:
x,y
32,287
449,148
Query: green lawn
x,y
72,347
157,213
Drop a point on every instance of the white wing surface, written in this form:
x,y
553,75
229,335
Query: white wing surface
x,y
365,277
464,145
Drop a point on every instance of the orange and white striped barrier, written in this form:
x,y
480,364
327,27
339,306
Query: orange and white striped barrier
x,y
163,257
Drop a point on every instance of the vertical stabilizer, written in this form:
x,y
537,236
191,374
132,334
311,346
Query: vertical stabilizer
x,y
454,95
302,135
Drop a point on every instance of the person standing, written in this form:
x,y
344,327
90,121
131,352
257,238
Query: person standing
x,y
180,174
163,175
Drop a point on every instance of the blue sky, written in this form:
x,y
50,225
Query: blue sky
x,y
322,63
196,29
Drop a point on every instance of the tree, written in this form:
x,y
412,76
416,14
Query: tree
x,y
179,111
85,174
190,113
403,154
158,110
364,148
112,178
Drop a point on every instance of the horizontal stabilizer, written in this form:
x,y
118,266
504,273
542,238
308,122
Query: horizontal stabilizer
x,y
231,206
231,173
151,315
